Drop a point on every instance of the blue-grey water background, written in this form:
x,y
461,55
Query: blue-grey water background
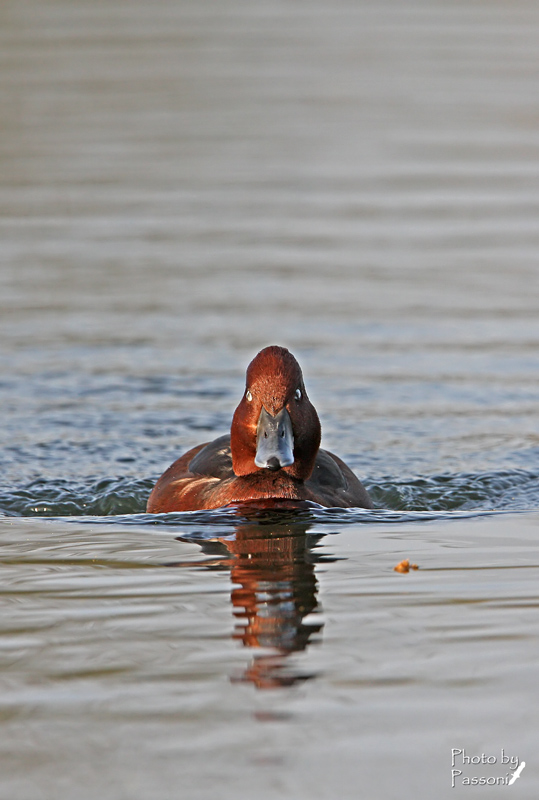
x,y
181,184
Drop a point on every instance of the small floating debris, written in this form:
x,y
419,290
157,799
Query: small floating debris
x,y
405,566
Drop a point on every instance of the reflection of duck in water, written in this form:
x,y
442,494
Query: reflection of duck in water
x,y
271,454
274,589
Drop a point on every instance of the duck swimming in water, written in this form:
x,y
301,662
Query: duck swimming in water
x,y
272,454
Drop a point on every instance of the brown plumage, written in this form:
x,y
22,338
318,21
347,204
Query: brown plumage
x,y
271,454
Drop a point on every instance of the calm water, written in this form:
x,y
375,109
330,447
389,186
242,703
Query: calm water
x,y
181,184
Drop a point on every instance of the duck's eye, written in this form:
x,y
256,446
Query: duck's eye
x,y
297,394
248,396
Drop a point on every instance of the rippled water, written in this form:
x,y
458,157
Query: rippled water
x,y
182,184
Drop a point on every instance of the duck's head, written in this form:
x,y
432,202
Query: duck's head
x,y
275,425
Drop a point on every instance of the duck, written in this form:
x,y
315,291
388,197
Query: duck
x,y
272,455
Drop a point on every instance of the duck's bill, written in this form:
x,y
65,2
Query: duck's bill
x,y
274,440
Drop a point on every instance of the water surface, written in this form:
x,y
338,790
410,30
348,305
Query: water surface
x,y
181,185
